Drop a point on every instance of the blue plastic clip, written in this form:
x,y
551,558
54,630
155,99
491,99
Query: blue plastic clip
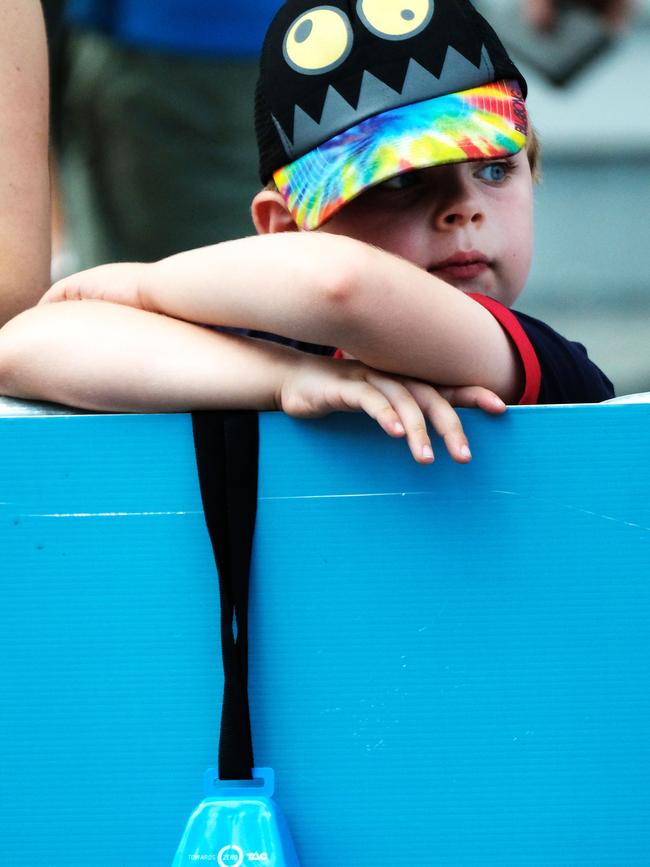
x,y
237,825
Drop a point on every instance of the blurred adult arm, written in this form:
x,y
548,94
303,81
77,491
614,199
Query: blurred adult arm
x,y
24,171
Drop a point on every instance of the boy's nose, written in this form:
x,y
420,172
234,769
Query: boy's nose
x,y
458,212
456,203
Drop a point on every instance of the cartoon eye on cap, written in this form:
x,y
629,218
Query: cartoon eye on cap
x,y
318,40
395,19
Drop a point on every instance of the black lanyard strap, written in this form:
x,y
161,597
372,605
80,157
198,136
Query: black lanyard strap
x,y
227,445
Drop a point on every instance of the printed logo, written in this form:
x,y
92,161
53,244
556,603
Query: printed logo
x,y
521,116
230,856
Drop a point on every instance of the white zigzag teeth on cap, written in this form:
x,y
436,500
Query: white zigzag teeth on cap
x,y
457,73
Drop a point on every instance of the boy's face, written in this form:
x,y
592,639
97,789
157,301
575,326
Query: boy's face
x,y
470,224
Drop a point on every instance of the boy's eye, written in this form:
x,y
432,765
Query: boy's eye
x,y
495,172
401,182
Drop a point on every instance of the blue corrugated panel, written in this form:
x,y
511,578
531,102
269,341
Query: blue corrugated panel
x,y
450,665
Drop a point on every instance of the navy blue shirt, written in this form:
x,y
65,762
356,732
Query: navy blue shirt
x,y
567,373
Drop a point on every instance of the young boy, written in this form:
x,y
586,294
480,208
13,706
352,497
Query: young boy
x,y
393,146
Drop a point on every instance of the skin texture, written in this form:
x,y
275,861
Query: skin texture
x,y
388,308
428,216
24,175
102,355
482,210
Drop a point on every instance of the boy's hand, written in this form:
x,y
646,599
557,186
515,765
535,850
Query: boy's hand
x,y
401,406
119,283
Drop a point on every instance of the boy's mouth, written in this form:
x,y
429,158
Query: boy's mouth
x,y
461,266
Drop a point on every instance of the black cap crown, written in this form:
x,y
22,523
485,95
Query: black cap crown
x,y
324,68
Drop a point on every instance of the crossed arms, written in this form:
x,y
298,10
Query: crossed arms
x,y
134,345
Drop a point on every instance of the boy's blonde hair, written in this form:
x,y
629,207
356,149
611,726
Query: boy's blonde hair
x,y
534,152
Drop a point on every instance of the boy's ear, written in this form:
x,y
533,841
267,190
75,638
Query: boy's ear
x,y
270,214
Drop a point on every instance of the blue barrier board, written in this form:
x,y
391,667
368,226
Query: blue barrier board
x,y
450,665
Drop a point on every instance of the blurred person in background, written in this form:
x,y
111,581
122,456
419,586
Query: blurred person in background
x,y
24,179
614,13
157,148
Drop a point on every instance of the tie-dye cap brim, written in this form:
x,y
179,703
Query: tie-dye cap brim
x,y
485,122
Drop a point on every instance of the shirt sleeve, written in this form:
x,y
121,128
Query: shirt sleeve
x,y
568,374
530,363
556,370
311,348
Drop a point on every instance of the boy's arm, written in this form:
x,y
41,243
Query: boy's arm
x,y
24,177
326,289
109,357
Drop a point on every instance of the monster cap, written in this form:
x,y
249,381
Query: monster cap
x,y
358,91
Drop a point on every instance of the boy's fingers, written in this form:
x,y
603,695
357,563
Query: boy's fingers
x,y
410,415
64,290
360,395
473,396
55,293
444,419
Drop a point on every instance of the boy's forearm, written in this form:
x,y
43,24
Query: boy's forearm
x,y
104,356
336,291
286,284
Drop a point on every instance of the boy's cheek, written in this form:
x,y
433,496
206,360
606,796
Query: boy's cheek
x,y
517,226
514,274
